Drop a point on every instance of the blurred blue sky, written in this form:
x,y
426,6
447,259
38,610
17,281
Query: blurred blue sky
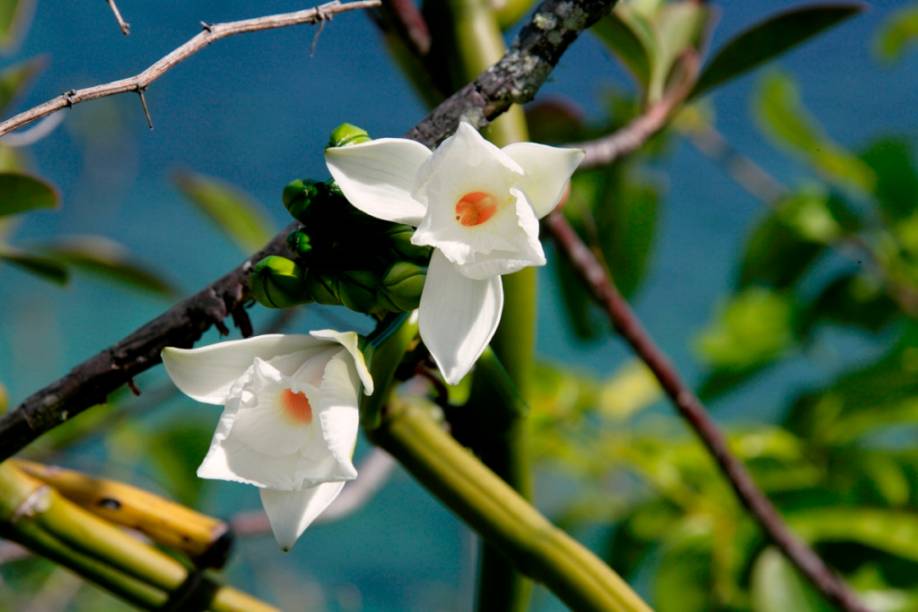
x,y
256,110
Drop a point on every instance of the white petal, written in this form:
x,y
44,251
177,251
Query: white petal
x,y
378,177
291,512
458,316
349,341
525,251
207,373
548,169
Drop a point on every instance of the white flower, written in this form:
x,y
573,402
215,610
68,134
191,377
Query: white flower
x,y
478,205
290,418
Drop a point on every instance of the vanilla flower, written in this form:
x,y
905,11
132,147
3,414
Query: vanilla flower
x,y
290,418
478,206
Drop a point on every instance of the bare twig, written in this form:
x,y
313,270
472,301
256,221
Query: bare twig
x,y
124,25
208,34
692,410
515,78
606,150
37,132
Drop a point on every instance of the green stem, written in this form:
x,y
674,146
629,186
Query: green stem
x,y
499,514
38,517
478,44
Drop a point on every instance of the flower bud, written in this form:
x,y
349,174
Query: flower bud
x,y
357,290
299,242
403,283
298,196
347,134
277,282
322,288
399,237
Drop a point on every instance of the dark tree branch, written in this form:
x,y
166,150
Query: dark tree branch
x,y
515,78
519,74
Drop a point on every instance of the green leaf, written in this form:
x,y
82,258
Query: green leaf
x,y
792,236
109,260
630,39
851,299
892,531
777,587
235,213
43,267
15,78
753,328
684,578
769,39
14,16
175,446
21,193
896,187
783,117
679,26
627,218
899,32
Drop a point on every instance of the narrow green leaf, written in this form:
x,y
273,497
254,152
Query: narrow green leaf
x,y
892,531
896,187
783,117
897,34
21,193
14,16
109,260
627,220
43,267
678,26
777,587
14,80
770,38
628,43
235,213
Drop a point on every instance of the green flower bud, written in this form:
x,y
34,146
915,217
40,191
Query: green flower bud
x,y
277,282
299,242
399,237
299,196
322,288
403,283
357,290
347,134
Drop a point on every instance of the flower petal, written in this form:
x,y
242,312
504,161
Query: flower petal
x,y
378,177
458,316
548,169
207,373
349,341
291,512
526,249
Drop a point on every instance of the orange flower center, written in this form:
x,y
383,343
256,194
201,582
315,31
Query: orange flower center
x,y
475,208
296,406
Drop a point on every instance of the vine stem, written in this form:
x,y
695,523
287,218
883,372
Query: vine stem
x,y
505,519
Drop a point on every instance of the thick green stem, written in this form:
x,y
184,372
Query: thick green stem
x,y
36,516
478,44
499,514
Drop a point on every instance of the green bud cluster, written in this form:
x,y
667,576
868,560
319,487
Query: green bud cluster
x,y
342,256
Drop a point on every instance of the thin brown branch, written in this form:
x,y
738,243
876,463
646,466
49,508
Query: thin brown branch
x,y
515,78
122,24
411,25
607,149
209,34
692,410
